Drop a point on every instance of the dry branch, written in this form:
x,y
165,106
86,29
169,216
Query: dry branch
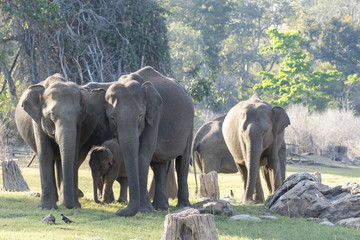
x,y
308,160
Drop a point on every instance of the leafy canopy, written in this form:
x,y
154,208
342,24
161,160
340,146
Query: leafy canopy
x,y
295,81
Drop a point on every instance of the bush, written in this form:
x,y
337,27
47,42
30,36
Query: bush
x,y
321,132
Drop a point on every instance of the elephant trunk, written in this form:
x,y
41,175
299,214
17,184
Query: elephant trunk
x,y
96,178
128,139
253,154
67,145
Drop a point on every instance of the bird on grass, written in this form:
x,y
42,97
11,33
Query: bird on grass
x,y
65,219
231,194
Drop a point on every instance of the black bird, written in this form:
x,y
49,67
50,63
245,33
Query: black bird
x,y
65,219
231,194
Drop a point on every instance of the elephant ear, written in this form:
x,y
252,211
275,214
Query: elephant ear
x,y
97,106
111,156
32,102
153,103
281,119
84,97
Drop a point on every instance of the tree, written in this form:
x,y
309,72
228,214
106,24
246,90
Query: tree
x,y
295,81
86,40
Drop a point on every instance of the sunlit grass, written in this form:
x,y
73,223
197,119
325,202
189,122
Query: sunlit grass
x,y
19,218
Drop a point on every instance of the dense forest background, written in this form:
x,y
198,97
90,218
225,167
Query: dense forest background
x,y
223,51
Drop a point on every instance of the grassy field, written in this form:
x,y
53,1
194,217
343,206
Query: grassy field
x,y
19,218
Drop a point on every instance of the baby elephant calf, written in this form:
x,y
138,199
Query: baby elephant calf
x,y
107,166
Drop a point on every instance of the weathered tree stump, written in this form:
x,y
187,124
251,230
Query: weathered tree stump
x,y
209,186
12,177
341,154
189,224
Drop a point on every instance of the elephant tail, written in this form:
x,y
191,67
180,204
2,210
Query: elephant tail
x,y
193,160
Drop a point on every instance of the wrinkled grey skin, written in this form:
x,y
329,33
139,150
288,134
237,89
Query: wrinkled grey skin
x,y
254,134
107,166
153,117
210,153
54,120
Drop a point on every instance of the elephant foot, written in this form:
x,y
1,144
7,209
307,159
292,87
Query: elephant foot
x,y
70,205
121,200
47,205
126,212
107,201
183,203
147,208
77,204
250,202
160,206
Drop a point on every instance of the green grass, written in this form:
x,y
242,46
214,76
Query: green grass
x,y
19,218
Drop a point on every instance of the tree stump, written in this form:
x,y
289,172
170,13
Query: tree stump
x,y
189,224
341,154
209,187
12,177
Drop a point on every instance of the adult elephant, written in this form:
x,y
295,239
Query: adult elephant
x,y
254,134
54,120
153,117
210,153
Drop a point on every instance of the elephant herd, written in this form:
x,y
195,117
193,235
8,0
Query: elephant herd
x,y
143,120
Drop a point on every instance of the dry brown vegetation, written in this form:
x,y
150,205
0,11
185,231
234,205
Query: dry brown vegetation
x,y
321,132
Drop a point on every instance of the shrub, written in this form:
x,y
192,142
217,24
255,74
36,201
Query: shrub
x,y
321,132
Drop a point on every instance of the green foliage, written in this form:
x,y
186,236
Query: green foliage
x,y
203,89
8,130
295,81
43,12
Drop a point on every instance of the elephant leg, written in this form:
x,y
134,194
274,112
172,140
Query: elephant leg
x,y
160,201
100,186
259,194
282,158
243,174
171,182
123,189
182,169
266,174
108,194
45,153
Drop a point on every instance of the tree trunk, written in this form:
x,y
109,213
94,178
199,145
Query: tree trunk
x,y
209,186
12,177
189,224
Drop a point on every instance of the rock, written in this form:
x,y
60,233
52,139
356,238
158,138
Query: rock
x,y
217,207
48,219
302,195
327,223
229,199
350,222
245,217
318,176
36,194
269,217
356,161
